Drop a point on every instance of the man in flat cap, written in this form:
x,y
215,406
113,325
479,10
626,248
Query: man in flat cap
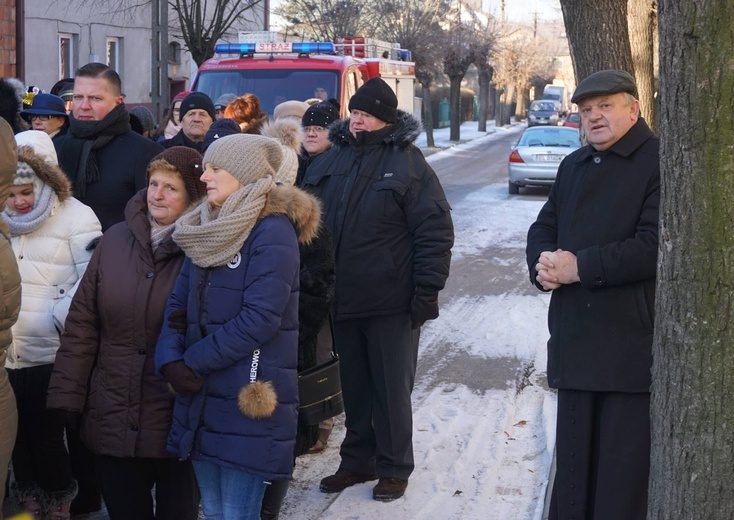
x,y
594,244
393,234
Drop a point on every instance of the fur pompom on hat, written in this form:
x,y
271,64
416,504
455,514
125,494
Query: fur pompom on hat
x,y
290,135
248,157
11,99
376,98
188,163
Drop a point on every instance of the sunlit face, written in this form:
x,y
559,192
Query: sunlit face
x,y
93,99
176,112
220,184
21,198
46,123
167,197
316,139
606,119
195,123
320,93
363,122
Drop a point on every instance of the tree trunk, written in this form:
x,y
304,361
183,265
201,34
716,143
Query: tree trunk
x,y
507,97
520,106
484,79
693,355
641,22
455,107
428,116
597,35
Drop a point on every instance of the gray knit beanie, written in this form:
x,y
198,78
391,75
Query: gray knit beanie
x,y
248,157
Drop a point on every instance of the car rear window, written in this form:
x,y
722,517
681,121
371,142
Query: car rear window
x,y
550,137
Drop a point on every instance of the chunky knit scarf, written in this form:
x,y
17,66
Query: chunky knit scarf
x,y
211,237
22,224
78,156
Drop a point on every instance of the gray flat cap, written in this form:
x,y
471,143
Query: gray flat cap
x,y
604,83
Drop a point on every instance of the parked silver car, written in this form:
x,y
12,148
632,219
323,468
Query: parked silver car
x,y
535,158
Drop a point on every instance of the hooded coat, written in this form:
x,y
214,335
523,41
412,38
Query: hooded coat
x,y
388,216
233,310
105,367
52,260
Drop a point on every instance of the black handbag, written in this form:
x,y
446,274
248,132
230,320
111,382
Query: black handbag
x,y
320,392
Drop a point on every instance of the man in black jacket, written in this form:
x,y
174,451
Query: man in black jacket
x,y
393,234
104,159
594,244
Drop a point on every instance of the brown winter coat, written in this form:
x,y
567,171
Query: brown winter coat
x,y
111,333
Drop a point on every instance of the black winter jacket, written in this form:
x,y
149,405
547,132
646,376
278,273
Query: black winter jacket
x,y
388,215
603,208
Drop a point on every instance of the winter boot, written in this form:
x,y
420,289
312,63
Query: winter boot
x,y
28,497
57,504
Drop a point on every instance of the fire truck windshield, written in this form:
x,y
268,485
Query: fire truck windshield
x,y
272,86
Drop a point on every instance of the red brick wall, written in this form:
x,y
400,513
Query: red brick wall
x,y
7,39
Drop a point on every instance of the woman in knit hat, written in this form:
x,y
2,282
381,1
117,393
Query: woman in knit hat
x,y
234,362
53,236
105,369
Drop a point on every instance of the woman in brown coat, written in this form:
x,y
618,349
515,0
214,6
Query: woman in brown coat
x,y
104,370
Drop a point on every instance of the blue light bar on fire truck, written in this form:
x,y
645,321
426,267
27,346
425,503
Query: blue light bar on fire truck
x,y
275,47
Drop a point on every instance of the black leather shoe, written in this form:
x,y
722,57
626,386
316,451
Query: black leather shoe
x,y
388,489
342,479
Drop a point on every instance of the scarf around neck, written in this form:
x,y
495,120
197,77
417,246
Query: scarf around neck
x,y
211,237
78,153
22,224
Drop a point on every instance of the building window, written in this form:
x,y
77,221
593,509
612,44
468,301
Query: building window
x,y
66,55
113,53
174,53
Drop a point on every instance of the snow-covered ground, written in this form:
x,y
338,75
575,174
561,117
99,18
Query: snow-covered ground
x,y
481,453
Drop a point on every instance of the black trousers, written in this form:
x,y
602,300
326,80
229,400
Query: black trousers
x,y
40,454
602,456
378,356
127,484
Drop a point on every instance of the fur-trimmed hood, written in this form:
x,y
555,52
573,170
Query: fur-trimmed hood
x,y
402,134
48,173
301,208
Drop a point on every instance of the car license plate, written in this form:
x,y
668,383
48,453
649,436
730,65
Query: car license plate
x,y
549,158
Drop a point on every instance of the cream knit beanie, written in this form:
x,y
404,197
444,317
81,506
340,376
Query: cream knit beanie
x,y
248,157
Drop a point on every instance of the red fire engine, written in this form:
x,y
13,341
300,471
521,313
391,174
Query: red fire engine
x,y
282,71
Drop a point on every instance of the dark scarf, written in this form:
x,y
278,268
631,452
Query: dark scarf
x,y
78,157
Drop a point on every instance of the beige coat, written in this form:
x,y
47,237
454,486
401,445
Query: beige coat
x,y
9,303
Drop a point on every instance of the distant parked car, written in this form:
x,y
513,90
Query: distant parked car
x,y
572,119
542,112
535,159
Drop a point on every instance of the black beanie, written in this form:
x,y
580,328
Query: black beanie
x,y
321,114
220,128
376,98
199,101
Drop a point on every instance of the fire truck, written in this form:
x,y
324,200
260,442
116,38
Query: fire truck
x,y
277,71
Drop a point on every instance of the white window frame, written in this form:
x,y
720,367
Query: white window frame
x,y
113,63
68,71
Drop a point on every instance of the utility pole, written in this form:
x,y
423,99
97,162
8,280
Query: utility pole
x,y
159,58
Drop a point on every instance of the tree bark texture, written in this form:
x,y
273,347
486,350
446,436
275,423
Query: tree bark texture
x,y
642,24
692,462
597,35
428,116
455,107
484,79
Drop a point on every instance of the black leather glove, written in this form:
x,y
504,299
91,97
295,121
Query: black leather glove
x,y
424,306
177,321
183,380
65,418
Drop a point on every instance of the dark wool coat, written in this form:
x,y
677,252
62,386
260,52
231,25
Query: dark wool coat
x,y
233,310
105,367
180,139
603,208
388,215
123,167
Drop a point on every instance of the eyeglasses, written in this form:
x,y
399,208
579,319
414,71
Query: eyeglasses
x,y
317,129
42,117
